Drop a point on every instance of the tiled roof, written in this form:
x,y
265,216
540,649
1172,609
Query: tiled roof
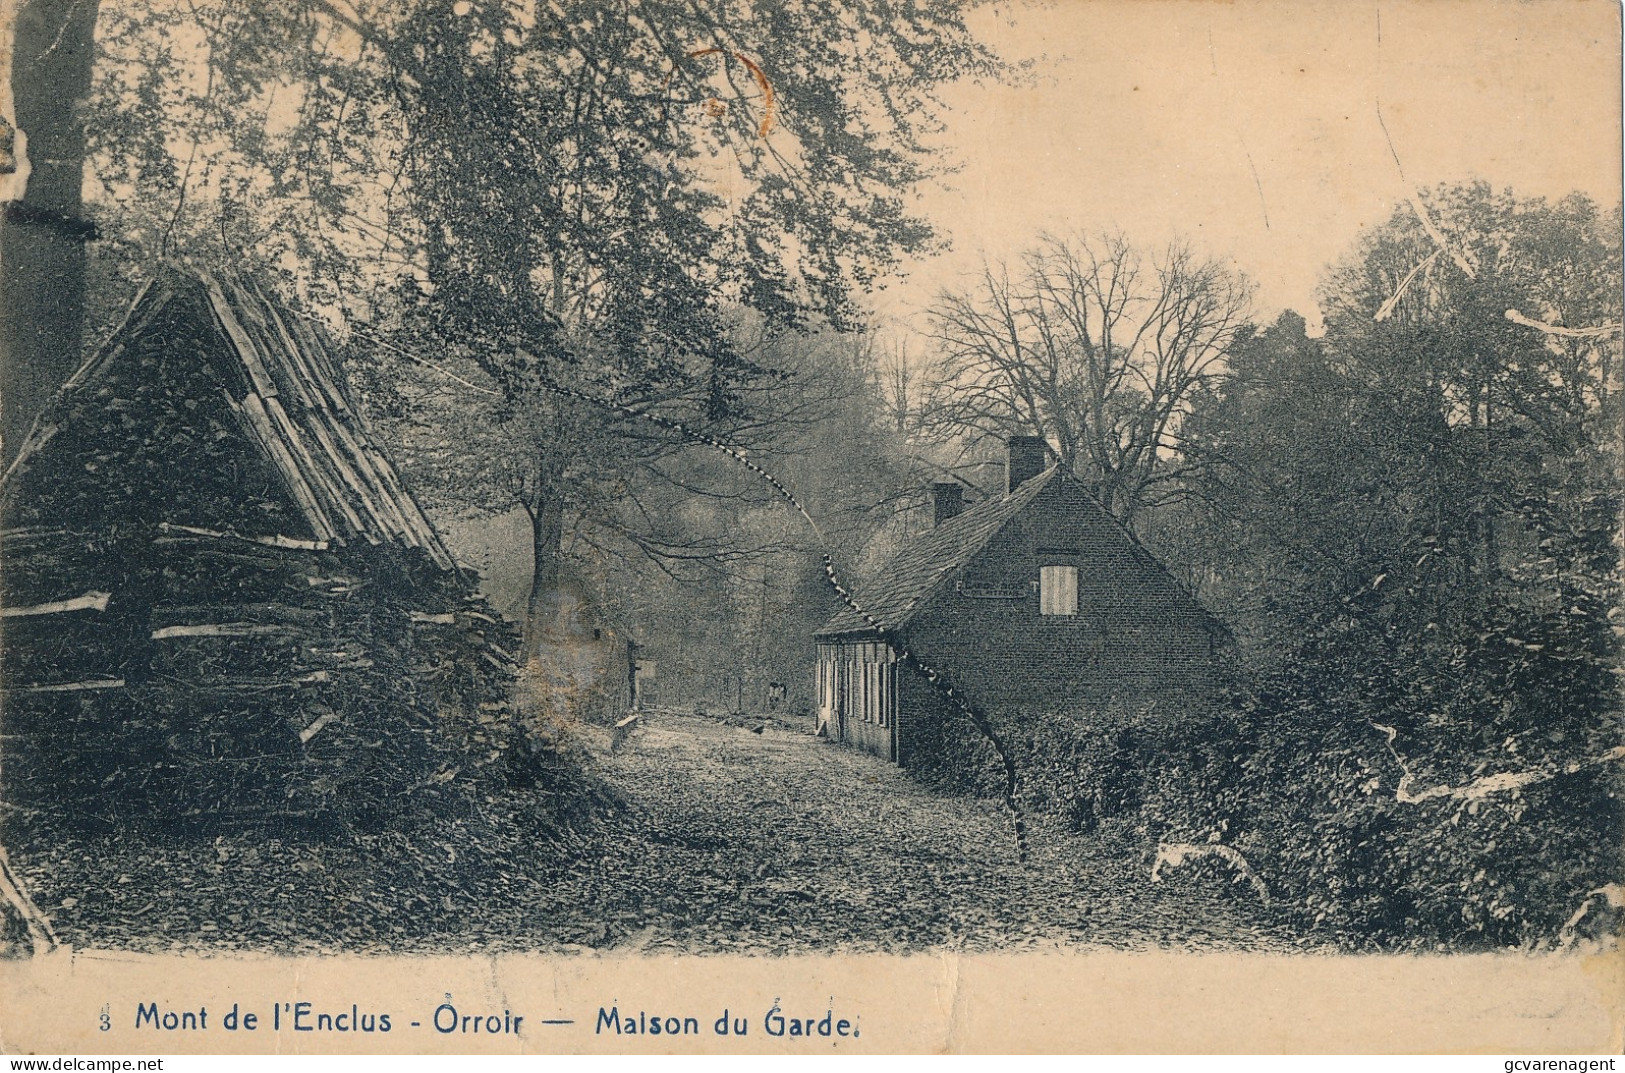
x,y
900,587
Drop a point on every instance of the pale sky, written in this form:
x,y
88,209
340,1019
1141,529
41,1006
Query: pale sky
x,y
1144,114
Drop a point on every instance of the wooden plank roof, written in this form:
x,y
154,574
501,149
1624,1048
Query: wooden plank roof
x,y
289,400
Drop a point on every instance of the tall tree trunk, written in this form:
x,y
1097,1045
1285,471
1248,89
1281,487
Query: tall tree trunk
x,y
546,511
42,272
42,235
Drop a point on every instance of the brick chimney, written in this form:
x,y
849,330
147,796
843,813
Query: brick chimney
x,y
950,500
1028,457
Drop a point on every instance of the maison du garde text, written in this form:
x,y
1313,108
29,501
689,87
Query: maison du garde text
x,y
775,1022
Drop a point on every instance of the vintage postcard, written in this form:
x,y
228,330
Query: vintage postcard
x,y
810,526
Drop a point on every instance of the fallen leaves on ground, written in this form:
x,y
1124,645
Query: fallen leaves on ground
x,y
727,840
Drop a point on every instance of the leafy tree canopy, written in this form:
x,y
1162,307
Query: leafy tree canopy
x,y
539,169
595,194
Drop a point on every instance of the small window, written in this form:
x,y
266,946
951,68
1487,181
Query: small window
x,y
1058,590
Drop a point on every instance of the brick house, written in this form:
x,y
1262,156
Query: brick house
x,y
1030,601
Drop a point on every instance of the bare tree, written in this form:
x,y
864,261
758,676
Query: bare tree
x,y
1089,347
898,384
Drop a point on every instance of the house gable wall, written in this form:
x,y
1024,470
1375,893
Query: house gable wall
x,y
1136,632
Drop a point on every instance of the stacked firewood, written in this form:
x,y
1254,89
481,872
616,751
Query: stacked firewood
x,y
219,601
212,677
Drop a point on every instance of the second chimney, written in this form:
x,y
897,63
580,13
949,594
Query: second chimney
x,y
1028,457
949,499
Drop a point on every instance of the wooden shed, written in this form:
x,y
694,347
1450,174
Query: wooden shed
x,y
217,599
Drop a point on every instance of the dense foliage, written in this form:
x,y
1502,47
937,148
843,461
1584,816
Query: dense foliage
x,y
591,195
1413,523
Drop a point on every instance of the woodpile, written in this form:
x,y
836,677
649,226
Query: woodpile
x,y
219,602
24,930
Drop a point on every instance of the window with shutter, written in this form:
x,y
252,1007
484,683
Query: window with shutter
x,y
1058,590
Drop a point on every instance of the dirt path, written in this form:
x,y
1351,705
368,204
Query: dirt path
x,y
775,842
781,841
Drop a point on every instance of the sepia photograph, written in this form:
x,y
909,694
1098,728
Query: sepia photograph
x,y
759,494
